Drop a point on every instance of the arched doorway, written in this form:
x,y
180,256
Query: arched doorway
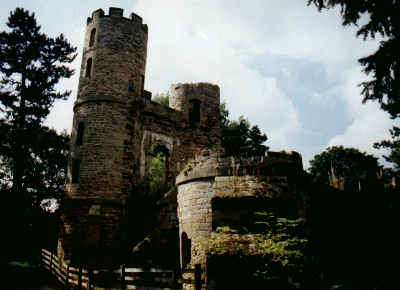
x,y
186,250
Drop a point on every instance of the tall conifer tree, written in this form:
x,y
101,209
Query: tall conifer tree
x,y
31,64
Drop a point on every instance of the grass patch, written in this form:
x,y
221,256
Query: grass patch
x,y
21,264
24,275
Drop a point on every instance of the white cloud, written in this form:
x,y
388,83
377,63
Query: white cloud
x,y
187,47
370,123
211,41
364,132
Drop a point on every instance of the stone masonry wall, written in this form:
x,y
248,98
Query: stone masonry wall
x,y
102,164
101,152
90,234
118,55
195,220
253,183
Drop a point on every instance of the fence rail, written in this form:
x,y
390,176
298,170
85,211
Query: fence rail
x,y
121,279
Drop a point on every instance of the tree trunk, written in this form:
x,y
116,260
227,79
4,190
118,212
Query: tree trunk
x,y
18,150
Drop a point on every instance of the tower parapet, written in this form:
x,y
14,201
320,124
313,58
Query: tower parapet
x,y
113,58
211,164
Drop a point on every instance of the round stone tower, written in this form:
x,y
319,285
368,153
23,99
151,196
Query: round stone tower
x,y
99,179
199,102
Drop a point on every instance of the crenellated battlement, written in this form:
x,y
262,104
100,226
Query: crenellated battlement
x,y
211,164
118,13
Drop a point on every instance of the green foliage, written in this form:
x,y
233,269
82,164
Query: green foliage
x,y
33,158
158,184
394,146
276,244
157,177
383,19
349,164
162,99
31,64
238,138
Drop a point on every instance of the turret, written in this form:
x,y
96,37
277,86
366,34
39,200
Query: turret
x,y
114,57
99,181
199,102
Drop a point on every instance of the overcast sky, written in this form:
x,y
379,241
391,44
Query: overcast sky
x,y
281,64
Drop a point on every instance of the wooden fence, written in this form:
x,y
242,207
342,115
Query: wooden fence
x,y
123,278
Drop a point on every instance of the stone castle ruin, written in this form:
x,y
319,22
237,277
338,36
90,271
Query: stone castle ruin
x,y
115,133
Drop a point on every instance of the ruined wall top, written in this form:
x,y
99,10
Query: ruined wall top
x,y
118,13
211,164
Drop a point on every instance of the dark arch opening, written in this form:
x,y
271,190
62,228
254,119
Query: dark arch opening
x,y
76,167
79,135
92,37
159,179
186,250
89,67
194,110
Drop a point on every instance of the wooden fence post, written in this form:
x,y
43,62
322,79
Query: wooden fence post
x,y
175,277
51,263
80,279
40,258
197,277
66,278
122,277
90,277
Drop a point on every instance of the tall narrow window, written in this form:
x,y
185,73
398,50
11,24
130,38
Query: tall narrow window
x,y
142,86
160,179
79,135
92,37
194,110
76,168
186,250
89,67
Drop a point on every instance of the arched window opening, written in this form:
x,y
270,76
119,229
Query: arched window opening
x,y
92,37
159,178
79,135
186,250
76,168
194,110
89,67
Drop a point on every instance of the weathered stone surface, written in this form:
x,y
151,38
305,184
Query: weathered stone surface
x,y
224,191
115,131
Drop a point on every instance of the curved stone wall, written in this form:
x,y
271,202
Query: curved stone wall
x,y
213,179
208,95
118,55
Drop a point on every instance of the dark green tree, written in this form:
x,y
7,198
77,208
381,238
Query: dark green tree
x,y
33,158
394,147
31,64
338,162
273,253
238,138
382,19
